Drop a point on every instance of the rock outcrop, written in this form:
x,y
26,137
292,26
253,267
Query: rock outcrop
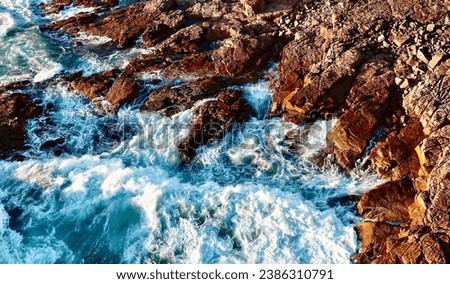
x,y
170,100
382,71
211,121
15,110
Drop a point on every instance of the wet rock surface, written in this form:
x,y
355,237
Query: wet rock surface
x,y
15,110
212,119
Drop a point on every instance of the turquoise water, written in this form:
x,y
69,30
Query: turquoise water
x,y
119,194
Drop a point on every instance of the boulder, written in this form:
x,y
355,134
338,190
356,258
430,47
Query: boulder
x,y
242,54
171,100
367,102
389,202
123,90
395,157
211,121
252,7
160,5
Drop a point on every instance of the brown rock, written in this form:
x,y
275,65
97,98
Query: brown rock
x,y
162,27
223,29
253,7
242,54
125,25
211,9
94,86
394,157
124,90
423,12
367,102
15,110
351,134
433,147
199,65
186,40
429,100
309,89
171,100
160,5
388,202
374,238
54,6
212,120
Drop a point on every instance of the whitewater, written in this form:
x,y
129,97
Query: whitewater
x,y
119,193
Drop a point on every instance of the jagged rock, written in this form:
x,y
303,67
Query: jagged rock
x,y
171,100
210,9
94,86
429,100
162,28
199,65
351,134
252,7
423,12
382,243
308,88
438,213
222,30
160,5
186,40
433,147
242,54
212,120
374,237
124,25
15,110
388,202
367,102
394,157
54,6
123,90
380,67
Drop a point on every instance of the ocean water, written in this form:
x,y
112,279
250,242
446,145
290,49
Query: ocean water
x,y
118,193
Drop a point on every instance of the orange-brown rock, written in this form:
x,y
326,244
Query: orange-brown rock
x,y
381,68
374,238
123,90
252,7
389,202
367,101
94,86
395,157
239,55
54,6
125,25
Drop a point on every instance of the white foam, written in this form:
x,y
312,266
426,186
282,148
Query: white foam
x,y
51,70
27,55
92,39
258,95
6,23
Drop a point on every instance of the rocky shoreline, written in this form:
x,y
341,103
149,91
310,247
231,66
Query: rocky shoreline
x,y
381,68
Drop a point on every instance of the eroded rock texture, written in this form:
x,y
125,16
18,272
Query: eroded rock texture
x,y
382,71
15,110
